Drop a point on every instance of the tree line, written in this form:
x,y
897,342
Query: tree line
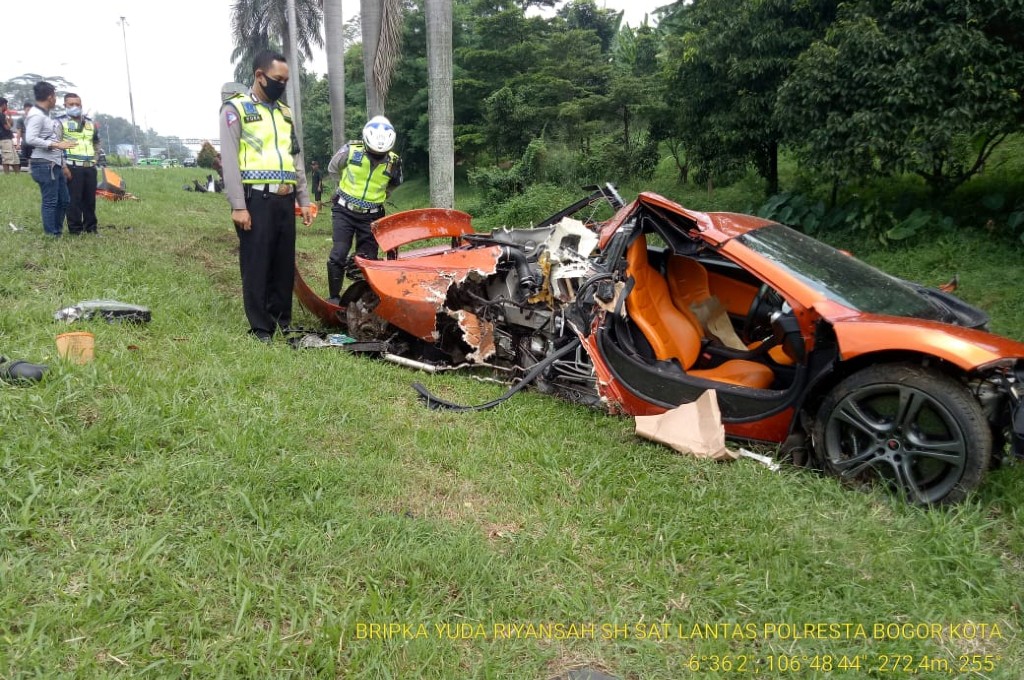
x,y
855,89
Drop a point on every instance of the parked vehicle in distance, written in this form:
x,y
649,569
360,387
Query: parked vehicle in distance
x,y
151,161
189,162
864,375
170,163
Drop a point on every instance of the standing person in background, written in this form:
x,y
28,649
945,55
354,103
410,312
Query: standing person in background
x,y
263,182
24,150
369,171
81,162
317,178
8,156
46,135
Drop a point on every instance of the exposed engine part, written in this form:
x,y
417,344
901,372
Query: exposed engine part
x,y
363,324
529,278
990,393
501,292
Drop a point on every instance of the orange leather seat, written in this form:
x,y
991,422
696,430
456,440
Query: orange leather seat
x,y
673,334
688,284
687,281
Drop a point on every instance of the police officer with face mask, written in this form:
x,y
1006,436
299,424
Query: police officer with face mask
x,y
263,182
81,162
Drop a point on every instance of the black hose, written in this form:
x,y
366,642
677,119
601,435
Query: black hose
x,y
526,277
436,403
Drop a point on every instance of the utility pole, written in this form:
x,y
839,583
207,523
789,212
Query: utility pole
x,y
131,100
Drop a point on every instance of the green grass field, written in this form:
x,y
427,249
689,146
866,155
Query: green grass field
x,y
193,504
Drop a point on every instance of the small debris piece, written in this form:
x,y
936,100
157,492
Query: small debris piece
x,y
110,310
768,462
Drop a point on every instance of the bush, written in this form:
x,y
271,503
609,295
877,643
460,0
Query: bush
x,y
534,204
207,155
115,161
872,218
609,160
498,185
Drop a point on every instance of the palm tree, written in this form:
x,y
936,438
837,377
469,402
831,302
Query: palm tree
x,y
262,24
334,30
295,81
382,48
255,23
440,108
370,13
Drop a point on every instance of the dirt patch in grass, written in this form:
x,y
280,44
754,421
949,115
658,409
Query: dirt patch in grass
x,y
570,665
495,532
443,497
217,257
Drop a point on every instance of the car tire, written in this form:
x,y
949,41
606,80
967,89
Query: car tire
x,y
921,430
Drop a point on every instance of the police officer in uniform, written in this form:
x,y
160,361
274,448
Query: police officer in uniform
x,y
81,162
263,181
369,171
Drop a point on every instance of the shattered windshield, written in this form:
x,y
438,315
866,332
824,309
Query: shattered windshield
x,y
842,278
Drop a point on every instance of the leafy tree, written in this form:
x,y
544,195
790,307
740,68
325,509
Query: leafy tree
x,y
206,156
637,87
500,44
585,15
729,58
930,87
318,134
18,90
115,131
257,25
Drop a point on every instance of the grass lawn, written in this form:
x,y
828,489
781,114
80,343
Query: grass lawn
x,y
195,504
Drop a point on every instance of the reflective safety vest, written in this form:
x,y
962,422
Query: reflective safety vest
x,y
83,133
362,185
266,145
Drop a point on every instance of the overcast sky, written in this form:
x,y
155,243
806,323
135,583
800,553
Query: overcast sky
x,y
179,55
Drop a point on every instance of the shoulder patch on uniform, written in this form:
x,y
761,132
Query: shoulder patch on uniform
x,y
231,117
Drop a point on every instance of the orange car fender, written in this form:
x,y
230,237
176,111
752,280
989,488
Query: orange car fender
x,y
413,292
965,348
409,226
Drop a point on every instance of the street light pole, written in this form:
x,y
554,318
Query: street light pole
x,y
131,100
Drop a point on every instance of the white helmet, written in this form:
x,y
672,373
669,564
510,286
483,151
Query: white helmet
x,y
379,135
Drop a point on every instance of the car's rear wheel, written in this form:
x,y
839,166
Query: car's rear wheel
x,y
917,429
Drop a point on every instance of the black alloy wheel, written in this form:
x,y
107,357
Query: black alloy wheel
x,y
916,428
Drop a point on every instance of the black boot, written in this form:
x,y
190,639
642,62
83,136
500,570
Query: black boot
x,y
17,371
335,279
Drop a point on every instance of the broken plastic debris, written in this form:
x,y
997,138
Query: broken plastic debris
x,y
768,462
336,339
13,226
110,310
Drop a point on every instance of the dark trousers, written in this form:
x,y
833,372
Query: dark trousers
x,y
82,208
54,190
348,225
266,256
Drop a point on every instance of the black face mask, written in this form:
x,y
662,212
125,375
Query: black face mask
x,y
273,89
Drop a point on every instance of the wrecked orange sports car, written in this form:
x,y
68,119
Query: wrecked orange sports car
x,y
865,375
